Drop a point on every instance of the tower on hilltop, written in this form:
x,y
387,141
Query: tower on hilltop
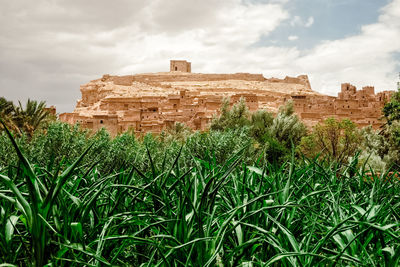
x,y
180,65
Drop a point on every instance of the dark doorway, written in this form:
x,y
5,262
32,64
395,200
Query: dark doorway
x,y
176,68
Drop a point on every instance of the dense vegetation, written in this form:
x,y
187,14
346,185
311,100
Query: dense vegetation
x,y
28,119
255,190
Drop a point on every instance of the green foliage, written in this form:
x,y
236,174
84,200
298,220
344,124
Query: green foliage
x,y
287,127
373,150
333,139
391,130
7,110
391,110
179,132
233,196
60,141
278,135
234,118
63,143
202,212
39,207
391,135
25,120
6,107
273,150
275,136
218,145
261,121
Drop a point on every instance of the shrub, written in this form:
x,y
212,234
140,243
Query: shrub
x,y
231,118
261,121
286,127
333,139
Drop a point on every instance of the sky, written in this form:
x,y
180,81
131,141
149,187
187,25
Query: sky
x,y
48,48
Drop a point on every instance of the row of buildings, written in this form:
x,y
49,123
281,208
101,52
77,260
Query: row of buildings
x,y
155,101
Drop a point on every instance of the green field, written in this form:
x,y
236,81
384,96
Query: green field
x,y
244,193
300,213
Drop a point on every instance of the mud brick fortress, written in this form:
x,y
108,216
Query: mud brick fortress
x,y
152,102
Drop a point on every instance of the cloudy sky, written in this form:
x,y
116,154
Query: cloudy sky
x,y
49,47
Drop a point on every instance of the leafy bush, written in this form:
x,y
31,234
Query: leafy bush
x,y
336,140
287,127
391,110
261,121
372,150
234,118
274,136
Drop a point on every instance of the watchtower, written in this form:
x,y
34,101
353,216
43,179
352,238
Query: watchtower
x,y
180,65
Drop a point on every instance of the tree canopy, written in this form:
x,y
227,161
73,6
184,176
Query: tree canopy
x,y
26,119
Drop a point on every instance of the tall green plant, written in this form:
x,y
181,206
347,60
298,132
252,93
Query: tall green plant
x,y
38,207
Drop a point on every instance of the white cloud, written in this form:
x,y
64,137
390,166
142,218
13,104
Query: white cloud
x,y
293,37
363,59
298,21
309,22
49,48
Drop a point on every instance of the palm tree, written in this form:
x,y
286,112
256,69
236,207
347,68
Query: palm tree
x,y
29,119
33,117
7,110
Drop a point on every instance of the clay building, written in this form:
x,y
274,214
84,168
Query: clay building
x,y
180,65
361,106
152,102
